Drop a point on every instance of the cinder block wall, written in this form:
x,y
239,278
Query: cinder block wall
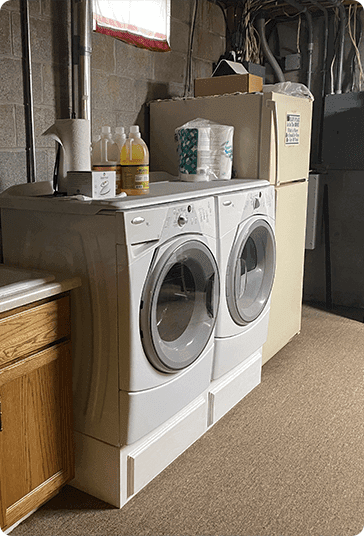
x,y
124,78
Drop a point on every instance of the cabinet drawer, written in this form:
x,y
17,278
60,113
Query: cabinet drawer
x,y
27,330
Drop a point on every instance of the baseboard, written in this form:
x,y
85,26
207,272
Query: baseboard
x,y
227,391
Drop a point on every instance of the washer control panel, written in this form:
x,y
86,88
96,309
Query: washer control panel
x,y
165,221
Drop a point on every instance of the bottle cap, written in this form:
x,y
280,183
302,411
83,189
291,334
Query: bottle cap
x,y
134,129
106,130
120,130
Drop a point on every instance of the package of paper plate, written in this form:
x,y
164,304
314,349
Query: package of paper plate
x,y
205,151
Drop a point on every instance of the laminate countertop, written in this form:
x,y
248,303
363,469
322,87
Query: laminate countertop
x,y
19,286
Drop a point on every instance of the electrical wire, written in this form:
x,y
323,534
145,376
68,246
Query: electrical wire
x,y
332,76
353,40
298,34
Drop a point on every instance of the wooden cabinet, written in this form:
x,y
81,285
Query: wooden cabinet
x,y
36,448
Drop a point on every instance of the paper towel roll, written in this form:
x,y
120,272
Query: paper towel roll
x,y
74,136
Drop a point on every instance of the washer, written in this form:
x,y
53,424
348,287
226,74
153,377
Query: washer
x,y
168,294
246,258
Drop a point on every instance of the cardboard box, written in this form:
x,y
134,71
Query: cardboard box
x,y
254,143
220,85
94,184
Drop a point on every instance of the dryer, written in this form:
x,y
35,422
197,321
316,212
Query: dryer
x,y
246,258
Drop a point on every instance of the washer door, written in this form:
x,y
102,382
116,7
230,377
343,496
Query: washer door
x,y
179,305
250,271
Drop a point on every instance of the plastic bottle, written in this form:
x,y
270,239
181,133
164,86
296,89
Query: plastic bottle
x,y
105,156
104,150
120,138
134,160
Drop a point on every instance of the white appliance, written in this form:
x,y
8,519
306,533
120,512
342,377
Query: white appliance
x,y
143,319
272,137
246,258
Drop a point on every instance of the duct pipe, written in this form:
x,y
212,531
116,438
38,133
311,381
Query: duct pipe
x,y
267,51
304,10
83,10
340,61
326,39
324,71
28,93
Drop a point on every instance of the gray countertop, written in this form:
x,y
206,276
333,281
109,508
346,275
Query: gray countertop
x,y
19,286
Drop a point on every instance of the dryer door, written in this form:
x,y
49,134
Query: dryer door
x,y
250,271
179,305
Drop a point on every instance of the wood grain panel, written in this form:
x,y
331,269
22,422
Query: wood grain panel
x,y
36,444
30,330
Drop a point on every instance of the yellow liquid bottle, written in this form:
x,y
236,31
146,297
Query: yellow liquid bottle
x,y
134,160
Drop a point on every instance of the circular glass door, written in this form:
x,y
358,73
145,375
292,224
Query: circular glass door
x,y
179,305
250,272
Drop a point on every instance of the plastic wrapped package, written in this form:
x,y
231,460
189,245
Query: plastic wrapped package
x,y
292,89
205,150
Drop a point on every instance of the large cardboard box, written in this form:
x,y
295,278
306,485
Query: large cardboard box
x,y
234,83
256,118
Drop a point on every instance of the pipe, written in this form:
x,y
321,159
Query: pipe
x,y
304,10
267,51
28,93
339,82
74,48
84,18
326,39
341,49
188,81
324,71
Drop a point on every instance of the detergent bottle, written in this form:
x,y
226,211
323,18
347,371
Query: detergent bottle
x,y
106,154
119,138
104,150
134,160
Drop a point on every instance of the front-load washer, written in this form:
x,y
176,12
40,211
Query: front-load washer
x,y
168,296
145,314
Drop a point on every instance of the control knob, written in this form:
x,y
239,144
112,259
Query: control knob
x,y
182,220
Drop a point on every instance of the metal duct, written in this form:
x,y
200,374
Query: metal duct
x,y
267,51
82,44
339,81
324,72
28,92
326,38
304,10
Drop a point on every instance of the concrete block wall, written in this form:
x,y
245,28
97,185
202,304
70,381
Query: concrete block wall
x,y
124,78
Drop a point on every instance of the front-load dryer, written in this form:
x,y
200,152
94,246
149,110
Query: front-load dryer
x,y
246,258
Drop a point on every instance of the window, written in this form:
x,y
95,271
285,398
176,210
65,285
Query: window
x,y
143,23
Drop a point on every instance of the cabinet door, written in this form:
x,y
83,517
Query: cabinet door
x,y
36,439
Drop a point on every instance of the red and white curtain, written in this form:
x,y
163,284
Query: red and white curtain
x,y
143,23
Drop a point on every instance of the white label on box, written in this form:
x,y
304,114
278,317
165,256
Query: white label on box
x,y
292,136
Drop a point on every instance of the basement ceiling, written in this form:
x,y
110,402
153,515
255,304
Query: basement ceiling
x,y
279,8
